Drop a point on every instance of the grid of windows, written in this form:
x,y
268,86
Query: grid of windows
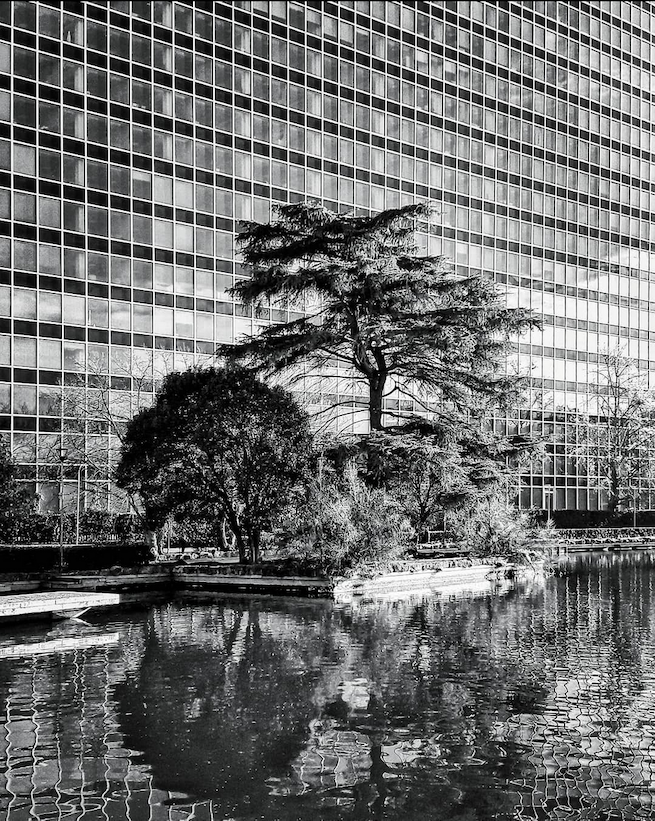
x,y
135,135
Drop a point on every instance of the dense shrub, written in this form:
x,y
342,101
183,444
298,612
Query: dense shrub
x,y
96,523
128,527
94,526
17,500
197,534
42,558
342,525
494,527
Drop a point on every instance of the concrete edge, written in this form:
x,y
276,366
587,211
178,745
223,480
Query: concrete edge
x,y
183,579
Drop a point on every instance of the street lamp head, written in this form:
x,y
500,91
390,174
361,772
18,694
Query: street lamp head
x,y
63,453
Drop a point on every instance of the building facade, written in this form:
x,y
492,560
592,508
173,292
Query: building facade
x,y
135,135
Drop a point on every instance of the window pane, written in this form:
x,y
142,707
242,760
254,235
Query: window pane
x,y
24,352
49,21
120,315
120,180
49,212
49,259
74,310
25,255
25,63
98,313
73,216
50,307
49,69
73,170
24,303
49,353
142,184
72,30
24,111
25,207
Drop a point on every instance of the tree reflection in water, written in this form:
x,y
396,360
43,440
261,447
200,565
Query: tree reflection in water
x,y
534,703
392,706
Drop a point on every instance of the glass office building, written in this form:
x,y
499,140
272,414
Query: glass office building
x,y
135,135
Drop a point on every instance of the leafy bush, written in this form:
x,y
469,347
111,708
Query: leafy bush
x,y
95,524
45,557
17,500
198,532
128,527
341,525
39,528
495,528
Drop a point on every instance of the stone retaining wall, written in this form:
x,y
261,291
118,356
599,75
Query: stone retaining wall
x,y
186,579
429,574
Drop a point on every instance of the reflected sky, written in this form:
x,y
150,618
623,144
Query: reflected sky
x,y
535,702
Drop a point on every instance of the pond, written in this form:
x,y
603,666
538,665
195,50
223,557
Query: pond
x,y
536,701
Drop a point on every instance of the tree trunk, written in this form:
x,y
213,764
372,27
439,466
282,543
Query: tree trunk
x,y
151,541
238,535
255,540
374,466
375,391
613,494
241,547
253,536
222,538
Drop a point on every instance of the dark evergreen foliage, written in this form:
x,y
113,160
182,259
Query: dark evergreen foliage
x,y
404,323
217,443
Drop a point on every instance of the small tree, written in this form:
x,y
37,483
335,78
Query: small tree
x,y
17,502
217,442
615,437
433,474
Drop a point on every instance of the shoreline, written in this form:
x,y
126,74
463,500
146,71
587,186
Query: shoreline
x,y
429,575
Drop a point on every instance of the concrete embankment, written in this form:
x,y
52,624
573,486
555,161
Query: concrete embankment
x,y
415,577
434,580
150,577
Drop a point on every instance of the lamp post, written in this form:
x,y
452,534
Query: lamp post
x,y
62,458
80,468
549,492
635,499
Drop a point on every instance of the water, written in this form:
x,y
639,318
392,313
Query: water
x,y
536,702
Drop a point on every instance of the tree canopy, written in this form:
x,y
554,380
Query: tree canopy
x,y
614,439
397,322
217,443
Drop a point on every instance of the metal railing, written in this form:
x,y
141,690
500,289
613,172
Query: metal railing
x,y
605,534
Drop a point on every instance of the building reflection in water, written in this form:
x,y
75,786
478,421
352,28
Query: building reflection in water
x,y
61,749
593,742
536,703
